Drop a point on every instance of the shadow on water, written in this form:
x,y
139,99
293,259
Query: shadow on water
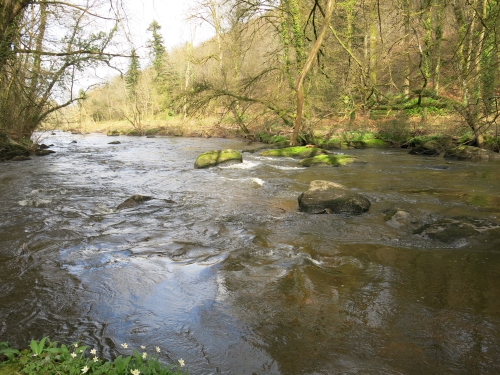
x,y
221,269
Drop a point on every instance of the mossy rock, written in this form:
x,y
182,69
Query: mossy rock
x,y
430,148
332,160
463,152
335,144
216,157
370,143
10,149
295,152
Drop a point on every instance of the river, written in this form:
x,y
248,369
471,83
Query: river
x,y
222,270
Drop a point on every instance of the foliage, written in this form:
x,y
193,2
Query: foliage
x,y
52,358
268,138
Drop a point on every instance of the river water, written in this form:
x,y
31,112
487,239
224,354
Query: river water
x,y
222,270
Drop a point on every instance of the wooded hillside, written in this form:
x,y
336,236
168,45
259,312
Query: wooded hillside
x,y
378,57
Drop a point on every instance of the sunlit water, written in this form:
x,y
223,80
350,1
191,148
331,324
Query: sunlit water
x,y
222,270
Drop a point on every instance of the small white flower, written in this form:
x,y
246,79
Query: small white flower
x,y
143,347
124,345
93,351
181,362
81,350
144,355
158,349
34,354
85,369
95,359
135,372
73,355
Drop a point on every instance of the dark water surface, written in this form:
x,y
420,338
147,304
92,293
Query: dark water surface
x,y
221,269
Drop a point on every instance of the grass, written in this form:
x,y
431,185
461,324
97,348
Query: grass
x,y
52,358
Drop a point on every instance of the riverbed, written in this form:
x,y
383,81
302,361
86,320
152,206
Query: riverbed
x,y
222,270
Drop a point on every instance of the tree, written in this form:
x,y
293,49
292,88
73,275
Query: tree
x,y
156,47
477,63
299,85
45,47
133,110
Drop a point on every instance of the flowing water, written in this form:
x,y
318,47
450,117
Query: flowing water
x,y
222,270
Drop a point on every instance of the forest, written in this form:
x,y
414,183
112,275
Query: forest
x,y
289,70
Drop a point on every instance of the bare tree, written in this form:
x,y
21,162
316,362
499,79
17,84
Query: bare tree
x,y
45,47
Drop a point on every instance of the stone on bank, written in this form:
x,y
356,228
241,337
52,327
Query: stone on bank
x,y
330,197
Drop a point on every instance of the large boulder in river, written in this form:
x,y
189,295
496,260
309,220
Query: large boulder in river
x,y
330,197
133,201
470,153
216,157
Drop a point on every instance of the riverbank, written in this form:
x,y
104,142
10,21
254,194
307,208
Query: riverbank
x,y
399,130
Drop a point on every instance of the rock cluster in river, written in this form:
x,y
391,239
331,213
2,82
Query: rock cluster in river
x,y
330,197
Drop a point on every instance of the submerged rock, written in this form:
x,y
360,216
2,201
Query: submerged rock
x,y
216,157
397,218
449,230
133,201
114,143
336,160
470,153
44,152
330,197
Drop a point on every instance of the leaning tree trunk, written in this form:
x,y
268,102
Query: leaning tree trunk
x,y
299,85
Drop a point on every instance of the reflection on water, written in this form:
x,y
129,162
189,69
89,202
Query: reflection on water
x,y
221,269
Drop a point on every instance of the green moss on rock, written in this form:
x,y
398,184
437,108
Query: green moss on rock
x,y
375,143
216,157
463,152
333,160
295,152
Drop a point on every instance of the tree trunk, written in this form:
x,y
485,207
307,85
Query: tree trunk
x,y
299,85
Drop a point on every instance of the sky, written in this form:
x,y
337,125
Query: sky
x,y
172,15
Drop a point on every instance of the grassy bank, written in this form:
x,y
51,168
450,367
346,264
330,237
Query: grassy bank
x,y
397,130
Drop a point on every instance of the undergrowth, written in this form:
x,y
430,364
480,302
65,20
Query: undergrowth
x,y
53,358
